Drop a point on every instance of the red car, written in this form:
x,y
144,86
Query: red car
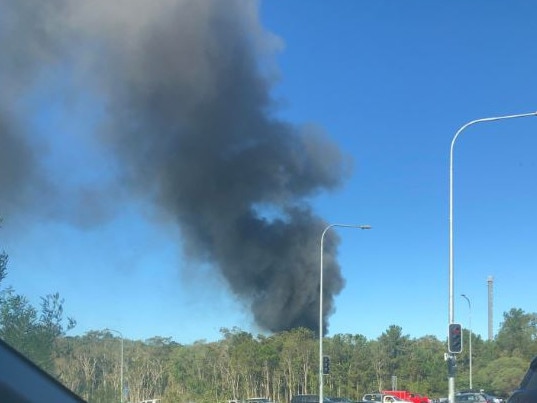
x,y
408,396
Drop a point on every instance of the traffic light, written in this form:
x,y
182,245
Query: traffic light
x,y
455,338
326,365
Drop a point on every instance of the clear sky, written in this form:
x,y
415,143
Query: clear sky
x,y
92,211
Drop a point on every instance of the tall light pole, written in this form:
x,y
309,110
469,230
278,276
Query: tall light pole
x,y
121,363
321,302
451,358
469,342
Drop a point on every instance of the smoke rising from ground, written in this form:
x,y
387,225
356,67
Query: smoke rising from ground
x,y
182,90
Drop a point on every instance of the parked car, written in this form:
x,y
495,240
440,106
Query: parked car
x,y
382,398
309,399
258,400
493,399
490,398
471,397
527,391
408,396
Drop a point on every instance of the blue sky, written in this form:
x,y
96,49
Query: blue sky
x,y
390,83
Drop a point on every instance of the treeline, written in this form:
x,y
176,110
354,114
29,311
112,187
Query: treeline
x,y
242,365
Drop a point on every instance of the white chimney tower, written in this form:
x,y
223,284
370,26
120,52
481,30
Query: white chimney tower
x,y
490,282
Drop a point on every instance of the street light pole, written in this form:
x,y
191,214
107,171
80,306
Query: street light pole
x,y
470,342
450,357
321,302
121,363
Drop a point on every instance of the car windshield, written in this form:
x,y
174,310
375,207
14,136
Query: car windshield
x,y
177,214
470,398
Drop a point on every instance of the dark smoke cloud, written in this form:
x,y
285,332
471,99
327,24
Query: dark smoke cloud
x,y
25,45
184,89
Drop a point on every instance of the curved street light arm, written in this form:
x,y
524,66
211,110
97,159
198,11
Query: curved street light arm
x,y
451,155
451,378
321,398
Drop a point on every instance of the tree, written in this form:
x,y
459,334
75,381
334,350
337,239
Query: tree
x,y
298,361
393,347
17,321
31,331
518,333
352,372
278,366
502,375
424,366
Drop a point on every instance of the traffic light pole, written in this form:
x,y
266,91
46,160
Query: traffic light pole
x,y
451,378
451,381
452,370
321,369
454,347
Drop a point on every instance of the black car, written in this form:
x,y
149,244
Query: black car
x,y
340,400
308,399
471,397
527,392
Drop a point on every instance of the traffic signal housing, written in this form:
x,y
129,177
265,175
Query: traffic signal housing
x,y
326,364
455,338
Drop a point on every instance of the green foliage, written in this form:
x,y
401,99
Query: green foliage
x,y
502,375
242,365
30,330
17,320
424,366
518,334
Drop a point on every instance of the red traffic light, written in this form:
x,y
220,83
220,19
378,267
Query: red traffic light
x,y
455,338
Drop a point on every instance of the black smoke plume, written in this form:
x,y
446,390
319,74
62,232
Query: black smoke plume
x,y
183,90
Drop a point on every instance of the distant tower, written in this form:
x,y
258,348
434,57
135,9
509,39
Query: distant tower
x,y
490,282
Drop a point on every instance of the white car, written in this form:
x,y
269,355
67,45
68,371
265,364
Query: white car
x,y
381,398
